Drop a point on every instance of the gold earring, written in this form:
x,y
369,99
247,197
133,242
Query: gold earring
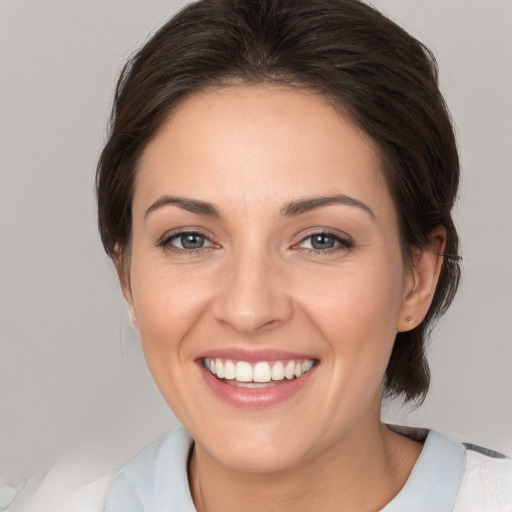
x,y
410,319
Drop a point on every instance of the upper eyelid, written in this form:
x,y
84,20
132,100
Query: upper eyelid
x,y
174,233
325,231
343,240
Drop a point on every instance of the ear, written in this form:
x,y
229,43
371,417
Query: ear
x,y
422,280
123,273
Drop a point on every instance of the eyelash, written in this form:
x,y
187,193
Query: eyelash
x,y
165,243
341,243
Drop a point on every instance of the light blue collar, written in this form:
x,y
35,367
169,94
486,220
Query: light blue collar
x,y
435,479
156,480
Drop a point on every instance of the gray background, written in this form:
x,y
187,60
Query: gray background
x,y
73,382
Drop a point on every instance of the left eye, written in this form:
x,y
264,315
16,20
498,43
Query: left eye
x,y
189,241
324,242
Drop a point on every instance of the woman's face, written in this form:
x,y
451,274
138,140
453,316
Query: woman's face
x,y
265,240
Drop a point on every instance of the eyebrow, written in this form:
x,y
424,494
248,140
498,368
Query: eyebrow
x,y
290,209
301,206
191,205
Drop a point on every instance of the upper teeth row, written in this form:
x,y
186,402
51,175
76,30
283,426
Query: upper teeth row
x,y
263,371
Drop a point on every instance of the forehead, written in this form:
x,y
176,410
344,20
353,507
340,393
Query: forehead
x,y
259,144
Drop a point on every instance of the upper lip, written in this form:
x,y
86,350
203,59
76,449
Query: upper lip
x,y
254,355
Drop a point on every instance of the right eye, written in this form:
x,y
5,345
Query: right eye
x,y
186,241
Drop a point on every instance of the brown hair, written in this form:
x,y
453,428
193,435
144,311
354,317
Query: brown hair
x,y
377,73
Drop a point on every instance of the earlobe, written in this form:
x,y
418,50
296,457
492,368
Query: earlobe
x,y
421,285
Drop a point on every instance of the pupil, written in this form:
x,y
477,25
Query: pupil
x,y
322,242
192,241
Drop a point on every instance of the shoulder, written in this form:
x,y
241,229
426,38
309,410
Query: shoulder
x,y
75,485
156,479
487,482
454,476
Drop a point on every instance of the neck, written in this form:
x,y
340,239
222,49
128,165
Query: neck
x,y
363,471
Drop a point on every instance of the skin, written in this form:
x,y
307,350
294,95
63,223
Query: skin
x,y
257,283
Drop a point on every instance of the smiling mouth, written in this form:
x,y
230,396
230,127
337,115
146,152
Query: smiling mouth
x,y
259,374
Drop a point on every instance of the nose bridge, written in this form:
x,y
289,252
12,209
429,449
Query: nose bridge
x,y
253,294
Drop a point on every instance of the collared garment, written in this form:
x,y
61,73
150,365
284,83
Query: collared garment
x,y
447,477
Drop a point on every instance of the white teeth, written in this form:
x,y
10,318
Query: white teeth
x,y
289,370
229,370
278,371
219,368
307,365
243,371
261,373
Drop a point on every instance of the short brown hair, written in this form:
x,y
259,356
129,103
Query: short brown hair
x,y
379,75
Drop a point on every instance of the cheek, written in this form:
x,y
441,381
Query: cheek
x,y
167,305
357,314
168,308
363,300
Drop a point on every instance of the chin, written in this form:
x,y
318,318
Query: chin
x,y
257,451
258,460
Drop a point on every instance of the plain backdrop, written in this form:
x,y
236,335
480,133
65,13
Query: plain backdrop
x,y
73,381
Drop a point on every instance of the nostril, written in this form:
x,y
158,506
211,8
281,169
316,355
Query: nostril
x,y
252,316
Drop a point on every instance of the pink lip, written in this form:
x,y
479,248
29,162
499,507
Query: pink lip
x,y
252,356
255,398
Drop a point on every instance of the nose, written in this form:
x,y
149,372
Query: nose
x,y
253,295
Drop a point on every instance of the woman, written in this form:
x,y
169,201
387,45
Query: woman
x,y
276,195
290,169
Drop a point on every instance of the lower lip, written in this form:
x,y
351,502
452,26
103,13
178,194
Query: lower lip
x,y
256,398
